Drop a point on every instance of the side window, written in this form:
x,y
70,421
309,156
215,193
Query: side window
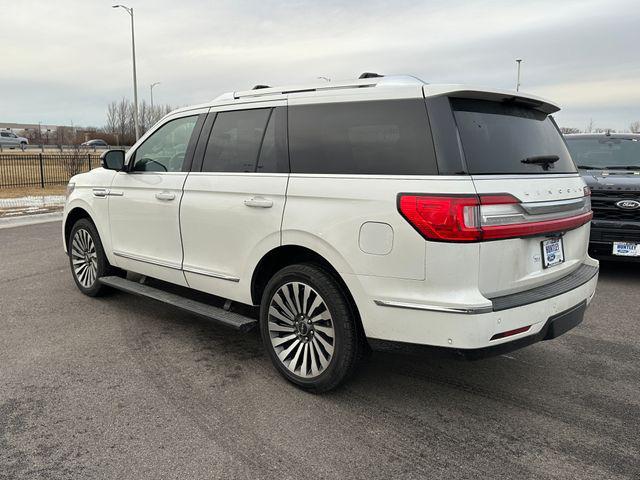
x,y
235,141
383,137
4,134
274,157
165,149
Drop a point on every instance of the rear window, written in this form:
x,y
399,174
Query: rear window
x,y
503,138
604,152
383,137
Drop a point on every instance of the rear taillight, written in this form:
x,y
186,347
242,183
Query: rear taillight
x,y
473,218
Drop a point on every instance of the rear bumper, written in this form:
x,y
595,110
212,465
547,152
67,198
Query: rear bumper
x,y
477,330
555,326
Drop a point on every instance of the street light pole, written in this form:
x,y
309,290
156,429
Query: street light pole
x,y
135,80
518,61
153,85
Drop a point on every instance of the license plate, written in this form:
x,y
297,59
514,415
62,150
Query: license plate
x,y
552,252
626,249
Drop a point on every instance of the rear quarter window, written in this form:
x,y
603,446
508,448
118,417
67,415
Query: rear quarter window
x,y
384,137
496,137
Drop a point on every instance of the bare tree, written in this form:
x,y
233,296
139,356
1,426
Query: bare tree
x,y
566,130
635,127
112,117
120,123
589,128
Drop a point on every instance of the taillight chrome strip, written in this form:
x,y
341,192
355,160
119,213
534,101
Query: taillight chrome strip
x,y
539,208
474,218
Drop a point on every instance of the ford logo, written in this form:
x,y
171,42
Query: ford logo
x,y
628,204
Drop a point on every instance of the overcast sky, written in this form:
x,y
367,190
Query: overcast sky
x,y
63,61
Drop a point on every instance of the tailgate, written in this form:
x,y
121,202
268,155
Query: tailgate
x,y
516,264
533,210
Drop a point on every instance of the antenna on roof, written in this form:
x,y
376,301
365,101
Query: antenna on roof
x,y
370,75
258,87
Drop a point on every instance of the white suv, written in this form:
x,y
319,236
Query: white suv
x,y
11,140
375,212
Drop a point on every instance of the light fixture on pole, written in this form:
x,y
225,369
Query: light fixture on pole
x,y
518,61
135,81
326,79
153,85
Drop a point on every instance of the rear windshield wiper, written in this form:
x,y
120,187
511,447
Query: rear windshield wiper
x,y
545,160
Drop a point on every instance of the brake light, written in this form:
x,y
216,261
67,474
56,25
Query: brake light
x,y
444,218
473,218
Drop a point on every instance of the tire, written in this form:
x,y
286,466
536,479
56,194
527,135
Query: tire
x,y
87,259
316,355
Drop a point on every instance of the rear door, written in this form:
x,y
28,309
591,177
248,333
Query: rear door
x,y
533,208
234,197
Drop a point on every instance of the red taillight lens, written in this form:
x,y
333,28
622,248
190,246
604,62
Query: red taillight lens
x,y
467,218
442,217
510,333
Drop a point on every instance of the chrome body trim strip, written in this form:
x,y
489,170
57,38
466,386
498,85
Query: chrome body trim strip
x,y
209,273
152,261
537,208
434,308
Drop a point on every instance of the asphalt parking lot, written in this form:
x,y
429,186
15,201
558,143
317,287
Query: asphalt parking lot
x,y
122,387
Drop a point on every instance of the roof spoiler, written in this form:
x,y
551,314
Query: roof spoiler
x,y
507,97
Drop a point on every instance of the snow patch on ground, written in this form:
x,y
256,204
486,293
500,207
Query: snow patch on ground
x,y
12,207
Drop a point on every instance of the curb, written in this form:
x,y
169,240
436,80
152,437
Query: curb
x,y
30,220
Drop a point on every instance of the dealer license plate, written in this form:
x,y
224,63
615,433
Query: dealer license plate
x,y
552,252
626,249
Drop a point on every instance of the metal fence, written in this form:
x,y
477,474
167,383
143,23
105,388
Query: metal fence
x,y
55,148
40,170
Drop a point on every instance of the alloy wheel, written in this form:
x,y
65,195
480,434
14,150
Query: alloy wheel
x,y
84,258
301,329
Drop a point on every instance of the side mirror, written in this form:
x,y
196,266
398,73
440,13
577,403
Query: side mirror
x,y
113,160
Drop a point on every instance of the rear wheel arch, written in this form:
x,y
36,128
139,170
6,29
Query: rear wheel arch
x,y
286,255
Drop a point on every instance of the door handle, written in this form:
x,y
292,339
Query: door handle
x,y
258,202
166,196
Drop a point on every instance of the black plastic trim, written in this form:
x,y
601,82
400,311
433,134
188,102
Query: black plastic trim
x,y
575,279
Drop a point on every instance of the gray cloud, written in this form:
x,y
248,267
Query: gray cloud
x,y
64,61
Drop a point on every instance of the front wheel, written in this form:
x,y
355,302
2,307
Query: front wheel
x,y
87,259
308,328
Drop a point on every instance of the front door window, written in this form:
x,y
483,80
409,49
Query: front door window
x,y
165,149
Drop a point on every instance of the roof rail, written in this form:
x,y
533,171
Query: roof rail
x,y
370,80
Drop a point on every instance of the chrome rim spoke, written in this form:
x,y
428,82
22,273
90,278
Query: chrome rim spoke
x,y
275,313
303,344
84,258
294,362
290,304
278,300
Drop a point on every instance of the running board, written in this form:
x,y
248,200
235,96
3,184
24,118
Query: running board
x,y
230,319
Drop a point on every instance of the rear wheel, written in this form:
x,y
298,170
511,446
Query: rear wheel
x,y
87,259
308,328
